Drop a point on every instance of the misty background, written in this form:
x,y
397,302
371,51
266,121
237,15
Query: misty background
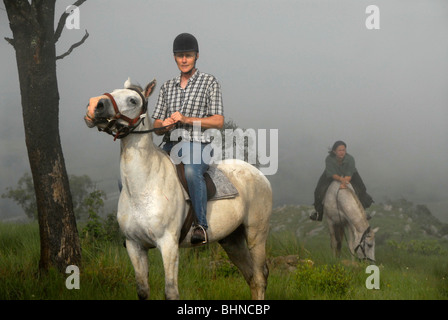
x,y
310,69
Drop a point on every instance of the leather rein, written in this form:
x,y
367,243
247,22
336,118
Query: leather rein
x,y
118,130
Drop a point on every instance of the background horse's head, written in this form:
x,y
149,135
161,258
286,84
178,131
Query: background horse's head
x,y
365,250
123,108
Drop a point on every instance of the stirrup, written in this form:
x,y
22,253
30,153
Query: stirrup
x,y
199,239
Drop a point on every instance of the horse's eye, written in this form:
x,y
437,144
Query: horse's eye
x,y
133,101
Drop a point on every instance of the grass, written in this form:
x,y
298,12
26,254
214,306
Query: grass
x,y
205,273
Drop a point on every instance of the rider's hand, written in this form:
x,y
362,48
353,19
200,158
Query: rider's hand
x,y
178,117
167,122
344,182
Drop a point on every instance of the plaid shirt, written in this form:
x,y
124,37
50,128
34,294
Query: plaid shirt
x,y
201,98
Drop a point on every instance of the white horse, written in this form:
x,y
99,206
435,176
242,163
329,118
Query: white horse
x,y
343,209
152,205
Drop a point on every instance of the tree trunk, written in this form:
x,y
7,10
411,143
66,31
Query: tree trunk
x,y
33,30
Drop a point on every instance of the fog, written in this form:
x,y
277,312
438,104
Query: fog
x,y
310,69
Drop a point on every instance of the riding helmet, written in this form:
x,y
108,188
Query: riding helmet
x,y
185,42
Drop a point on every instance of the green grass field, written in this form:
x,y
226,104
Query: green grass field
x,y
205,273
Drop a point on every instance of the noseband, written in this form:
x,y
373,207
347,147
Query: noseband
x,y
119,130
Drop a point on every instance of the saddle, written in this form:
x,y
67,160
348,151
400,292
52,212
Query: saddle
x,y
211,188
218,187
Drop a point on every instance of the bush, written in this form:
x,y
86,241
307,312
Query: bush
x,y
329,279
425,247
224,269
94,228
97,228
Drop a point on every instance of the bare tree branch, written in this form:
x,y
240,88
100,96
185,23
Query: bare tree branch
x,y
10,41
62,20
77,44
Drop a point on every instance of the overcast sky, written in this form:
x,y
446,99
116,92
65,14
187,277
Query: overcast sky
x,y
310,69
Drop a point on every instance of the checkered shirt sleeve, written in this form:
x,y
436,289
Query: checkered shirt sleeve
x,y
201,98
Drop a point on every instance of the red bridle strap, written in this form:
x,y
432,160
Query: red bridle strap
x,y
118,115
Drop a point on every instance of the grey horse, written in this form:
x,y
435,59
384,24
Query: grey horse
x,y
152,205
343,209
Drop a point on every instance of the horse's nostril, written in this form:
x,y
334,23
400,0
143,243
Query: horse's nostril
x,y
100,105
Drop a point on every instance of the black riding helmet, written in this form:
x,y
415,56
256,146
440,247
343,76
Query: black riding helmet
x,y
185,42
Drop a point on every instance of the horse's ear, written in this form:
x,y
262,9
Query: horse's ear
x,y
128,83
376,229
149,89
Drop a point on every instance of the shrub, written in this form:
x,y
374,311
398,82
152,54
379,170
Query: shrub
x,y
330,279
224,269
425,247
97,228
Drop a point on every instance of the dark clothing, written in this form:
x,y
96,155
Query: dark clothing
x,y
320,191
346,168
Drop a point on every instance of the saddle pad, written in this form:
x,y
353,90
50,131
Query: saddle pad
x,y
224,188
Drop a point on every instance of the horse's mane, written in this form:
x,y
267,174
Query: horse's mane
x,y
136,87
358,202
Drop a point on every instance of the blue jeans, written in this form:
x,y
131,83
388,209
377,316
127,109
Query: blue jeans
x,y
190,153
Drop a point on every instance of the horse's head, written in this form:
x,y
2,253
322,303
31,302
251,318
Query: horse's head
x,y
120,111
365,250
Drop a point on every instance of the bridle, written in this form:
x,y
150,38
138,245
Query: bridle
x,y
119,130
362,245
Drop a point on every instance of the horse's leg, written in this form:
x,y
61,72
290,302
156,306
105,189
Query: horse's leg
x,y
170,256
236,248
139,259
339,238
247,250
351,244
332,238
256,242
335,238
